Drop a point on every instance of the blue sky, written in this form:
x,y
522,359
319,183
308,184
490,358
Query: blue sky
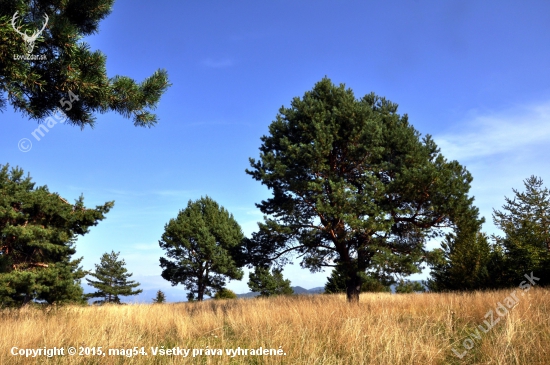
x,y
475,75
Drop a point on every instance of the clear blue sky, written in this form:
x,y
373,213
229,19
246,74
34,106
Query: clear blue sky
x,y
474,74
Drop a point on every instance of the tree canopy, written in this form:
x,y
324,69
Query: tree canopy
x,y
198,245
353,184
38,230
112,280
63,65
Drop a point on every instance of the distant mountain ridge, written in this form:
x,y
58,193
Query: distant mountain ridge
x,y
297,290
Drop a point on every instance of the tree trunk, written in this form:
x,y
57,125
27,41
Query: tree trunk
x,y
353,287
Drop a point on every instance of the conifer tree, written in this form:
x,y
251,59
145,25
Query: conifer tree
x,y
353,183
336,282
198,245
525,221
160,298
38,231
269,283
112,280
407,286
465,262
66,68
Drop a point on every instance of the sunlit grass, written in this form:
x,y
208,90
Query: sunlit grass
x,y
322,329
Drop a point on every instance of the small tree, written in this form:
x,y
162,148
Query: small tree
x,y
198,244
225,293
404,287
160,298
336,283
464,262
112,280
525,221
269,284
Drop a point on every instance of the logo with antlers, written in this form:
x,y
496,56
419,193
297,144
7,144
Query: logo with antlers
x,y
29,39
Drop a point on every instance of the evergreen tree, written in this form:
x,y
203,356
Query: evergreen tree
x,y
405,287
225,293
38,231
71,75
160,298
112,280
269,284
336,282
525,221
353,183
465,262
198,244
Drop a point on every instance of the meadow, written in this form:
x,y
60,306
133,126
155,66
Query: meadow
x,y
320,329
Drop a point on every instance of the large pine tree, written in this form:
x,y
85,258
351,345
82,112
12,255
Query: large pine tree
x,y
38,230
112,280
37,87
354,184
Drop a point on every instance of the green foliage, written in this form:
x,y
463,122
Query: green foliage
x,y
225,293
353,183
464,263
525,246
36,87
160,298
269,284
336,283
38,231
112,280
198,244
405,287
469,262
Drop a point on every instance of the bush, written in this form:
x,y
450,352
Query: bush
x,y
225,294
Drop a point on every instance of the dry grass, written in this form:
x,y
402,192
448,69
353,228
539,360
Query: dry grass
x,y
381,329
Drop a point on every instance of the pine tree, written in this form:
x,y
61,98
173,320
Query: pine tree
x,y
525,221
71,75
353,183
198,245
112,280
336,282
38,232
160,298
466,261
269,284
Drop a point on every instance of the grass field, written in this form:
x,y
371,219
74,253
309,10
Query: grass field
x,y
321,329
